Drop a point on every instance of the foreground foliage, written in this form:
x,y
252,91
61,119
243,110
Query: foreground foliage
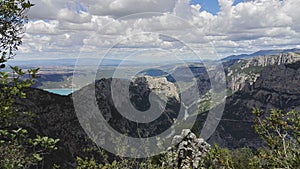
x,y
17,148
280,132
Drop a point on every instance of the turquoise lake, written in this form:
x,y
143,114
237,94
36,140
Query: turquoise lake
x,y
63,92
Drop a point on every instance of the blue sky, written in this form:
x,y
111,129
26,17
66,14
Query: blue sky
x,y
211,6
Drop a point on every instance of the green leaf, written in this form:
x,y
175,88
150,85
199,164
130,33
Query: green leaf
x,y
38,157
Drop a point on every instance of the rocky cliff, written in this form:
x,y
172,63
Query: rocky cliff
x,y
240,72
276,87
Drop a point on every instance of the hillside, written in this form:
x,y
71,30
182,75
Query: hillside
x,y
276,86
56,116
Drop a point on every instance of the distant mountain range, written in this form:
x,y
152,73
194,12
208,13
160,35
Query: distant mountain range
x,y
259,53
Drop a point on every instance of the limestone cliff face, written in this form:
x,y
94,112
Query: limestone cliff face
x,y
159,85
283,58
276,87
247,71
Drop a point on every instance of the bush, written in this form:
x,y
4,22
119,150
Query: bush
x,y
281,133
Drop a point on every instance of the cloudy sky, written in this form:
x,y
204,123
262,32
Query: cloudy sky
x,y
156,28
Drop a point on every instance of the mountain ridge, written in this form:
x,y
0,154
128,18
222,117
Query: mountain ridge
x,y
259,53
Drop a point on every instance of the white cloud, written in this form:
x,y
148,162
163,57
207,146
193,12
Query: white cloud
x,y
70,16
183,9
59,25
119,8
42,27
46,9
290,8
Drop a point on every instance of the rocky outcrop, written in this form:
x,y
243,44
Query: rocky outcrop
x,y
243,72
188,151
283,58
159,85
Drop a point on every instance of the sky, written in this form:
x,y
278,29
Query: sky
x,y
158,29
211,6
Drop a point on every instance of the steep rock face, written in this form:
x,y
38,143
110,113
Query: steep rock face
x,y
276,87
159,85
281,79
241,72
283,58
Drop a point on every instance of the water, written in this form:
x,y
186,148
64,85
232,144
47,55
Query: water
x,y
63,92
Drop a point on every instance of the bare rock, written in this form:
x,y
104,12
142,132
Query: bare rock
x,y
188,151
